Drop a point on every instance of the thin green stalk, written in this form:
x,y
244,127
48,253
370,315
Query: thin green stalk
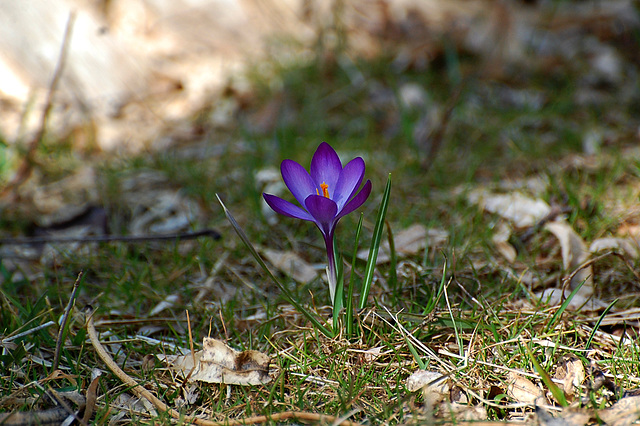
x,y
558,394
349,301
415,354
338,301
287,294
562,308
453,321
375,245
393,261
433,301
597,325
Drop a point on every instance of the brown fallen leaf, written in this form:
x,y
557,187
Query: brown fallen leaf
x,y
500,240
464,412
622,413
521,210
567,417
218,363
574,250
522,389
290,264
571,372
580,300
628,246
574,253
429,381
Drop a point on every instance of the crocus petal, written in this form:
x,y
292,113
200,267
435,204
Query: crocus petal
x,y
356,201
323,211
286,208
326,167
297,180
349,181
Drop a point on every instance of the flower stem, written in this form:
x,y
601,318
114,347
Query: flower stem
x,y
331,269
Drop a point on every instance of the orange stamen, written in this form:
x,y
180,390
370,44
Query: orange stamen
x,y
325,189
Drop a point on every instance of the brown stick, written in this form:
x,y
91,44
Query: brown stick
x,y
144,393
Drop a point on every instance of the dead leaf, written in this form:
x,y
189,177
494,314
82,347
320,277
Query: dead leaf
x,y
464,412
574,253
408,242
423,379
622,413
218,363
555,297
189,396
571,372
167,303
574,250
130,403
500,240
627,246
521,210
92,395
371,354
522,389
290,264
568,417
619,317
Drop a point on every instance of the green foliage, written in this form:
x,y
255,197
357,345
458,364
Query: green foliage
x,y
375,246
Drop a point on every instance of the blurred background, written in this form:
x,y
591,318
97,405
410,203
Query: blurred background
x,y
442,90
138,71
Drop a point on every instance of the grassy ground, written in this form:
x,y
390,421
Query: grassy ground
x,y
485,325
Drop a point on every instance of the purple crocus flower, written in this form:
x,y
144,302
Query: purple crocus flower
x,y
326,194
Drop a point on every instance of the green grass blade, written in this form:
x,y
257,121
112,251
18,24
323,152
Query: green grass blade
x,y
597,325
351,285
375,245
287,294
415,354
433,301
563,307
557,393
338,303
393,261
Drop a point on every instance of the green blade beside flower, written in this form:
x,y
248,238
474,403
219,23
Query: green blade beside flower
x,y
375,245
351,285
